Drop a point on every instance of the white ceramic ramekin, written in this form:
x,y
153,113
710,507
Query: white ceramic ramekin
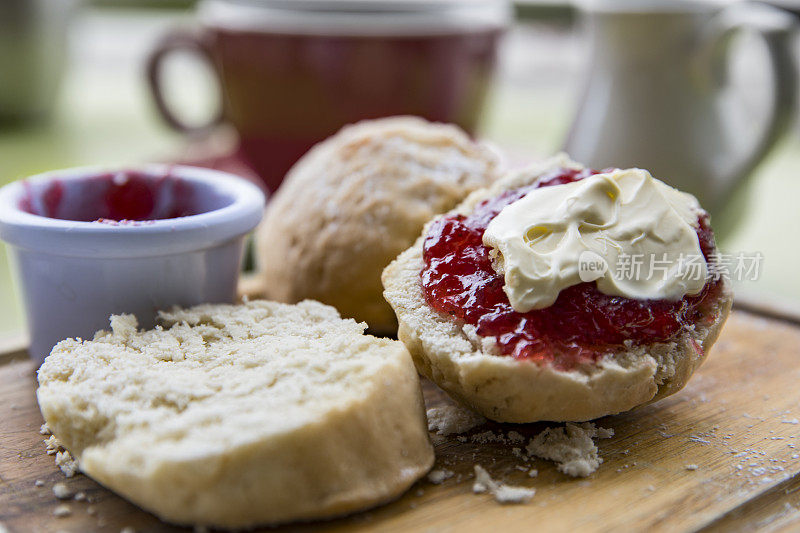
x,y
74,274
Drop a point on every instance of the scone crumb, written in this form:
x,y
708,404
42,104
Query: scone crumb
x,y
691,467
533,472
451,418
62,510
513,494
127,529
485,437
66,463
44,429
64,460
482,480
51,445
61,491
502,493
602,433
571,447
439,475
516,436
79,497
39,483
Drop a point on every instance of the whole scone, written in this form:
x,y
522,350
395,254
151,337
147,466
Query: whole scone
x,y
503,388
240,415
354,202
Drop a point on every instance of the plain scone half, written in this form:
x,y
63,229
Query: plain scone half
x,y
505,389
240,415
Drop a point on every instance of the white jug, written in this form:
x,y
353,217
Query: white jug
x,y
656,95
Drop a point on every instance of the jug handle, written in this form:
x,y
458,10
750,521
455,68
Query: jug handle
x,y
777,28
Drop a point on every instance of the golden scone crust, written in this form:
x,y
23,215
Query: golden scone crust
x,y
509,390
354,202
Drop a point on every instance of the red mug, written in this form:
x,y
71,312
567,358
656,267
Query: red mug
x,y
293,72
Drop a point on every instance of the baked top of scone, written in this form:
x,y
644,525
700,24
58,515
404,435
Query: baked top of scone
x,y
578,352
236,415
354,202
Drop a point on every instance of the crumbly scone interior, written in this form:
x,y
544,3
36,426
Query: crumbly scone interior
x,y
276,368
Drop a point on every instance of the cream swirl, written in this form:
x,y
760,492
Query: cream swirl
x,y
641,230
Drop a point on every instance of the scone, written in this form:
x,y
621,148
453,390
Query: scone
x,y
499,304
354,202
235,416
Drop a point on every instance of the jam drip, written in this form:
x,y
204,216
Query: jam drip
x,y
581,326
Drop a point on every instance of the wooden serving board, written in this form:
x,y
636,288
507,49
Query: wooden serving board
x,y
737,421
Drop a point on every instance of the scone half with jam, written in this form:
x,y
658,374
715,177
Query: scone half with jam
x,y
560,293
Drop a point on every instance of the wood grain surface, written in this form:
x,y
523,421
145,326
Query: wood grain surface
x,y
737,422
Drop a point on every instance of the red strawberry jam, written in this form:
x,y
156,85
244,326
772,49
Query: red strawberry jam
x,y
111,198
581,326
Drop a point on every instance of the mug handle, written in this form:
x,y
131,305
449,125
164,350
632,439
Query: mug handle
x,y
191,42
777,28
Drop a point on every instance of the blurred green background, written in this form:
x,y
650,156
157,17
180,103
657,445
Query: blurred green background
x,y
104,114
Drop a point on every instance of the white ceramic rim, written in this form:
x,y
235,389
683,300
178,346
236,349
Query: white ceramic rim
x,y
653,6
152,238
357,17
